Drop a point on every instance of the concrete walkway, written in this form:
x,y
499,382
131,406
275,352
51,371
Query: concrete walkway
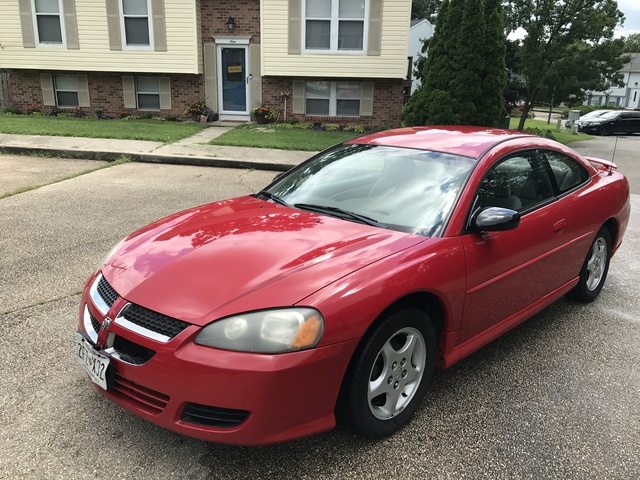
x,y
193,150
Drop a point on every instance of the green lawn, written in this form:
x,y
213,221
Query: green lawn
x,y
132,129
282,137
563,136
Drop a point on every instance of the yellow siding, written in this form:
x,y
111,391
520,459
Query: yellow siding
x,y
392,62
94,55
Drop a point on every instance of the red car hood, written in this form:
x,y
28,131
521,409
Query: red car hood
x,y
240,255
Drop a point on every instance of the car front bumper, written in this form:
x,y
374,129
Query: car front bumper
x,y
216,395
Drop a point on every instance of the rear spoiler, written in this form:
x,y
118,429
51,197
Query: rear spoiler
x,y
601,164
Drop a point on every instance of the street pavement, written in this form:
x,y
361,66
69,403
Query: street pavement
x,y
556,398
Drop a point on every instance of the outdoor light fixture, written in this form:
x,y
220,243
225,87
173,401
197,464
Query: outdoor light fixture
x,y
231,23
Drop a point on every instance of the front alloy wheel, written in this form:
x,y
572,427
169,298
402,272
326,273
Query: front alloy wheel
x,y
389,374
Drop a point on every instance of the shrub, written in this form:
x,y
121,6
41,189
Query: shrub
x,y
31,109
541,133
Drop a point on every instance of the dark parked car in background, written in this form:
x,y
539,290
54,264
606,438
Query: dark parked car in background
x,y
587,117
614,121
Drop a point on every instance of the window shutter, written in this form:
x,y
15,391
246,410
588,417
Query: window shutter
x,y
129,91
70,24
374,40
298,96
295,26
256,75
211,76
165,93
48,93
159,28
113,25
26,22
366,100
83,91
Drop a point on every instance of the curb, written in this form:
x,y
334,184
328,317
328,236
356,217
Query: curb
x,y
149,158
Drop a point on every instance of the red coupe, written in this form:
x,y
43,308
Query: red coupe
x,y
338,289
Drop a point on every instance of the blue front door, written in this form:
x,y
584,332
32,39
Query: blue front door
x,y
234,80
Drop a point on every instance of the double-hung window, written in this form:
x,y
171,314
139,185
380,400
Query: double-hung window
x,y
334,25
135,23
48,20
335,99
66,89
148,93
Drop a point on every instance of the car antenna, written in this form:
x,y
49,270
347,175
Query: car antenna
x,y
613,157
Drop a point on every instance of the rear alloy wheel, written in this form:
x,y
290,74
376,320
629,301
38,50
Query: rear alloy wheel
x,y
595,268
604,130
390,373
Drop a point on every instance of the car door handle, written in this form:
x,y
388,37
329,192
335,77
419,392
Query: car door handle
x,y
559,225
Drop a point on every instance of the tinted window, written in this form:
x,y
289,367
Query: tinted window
x,y
517,183
567,172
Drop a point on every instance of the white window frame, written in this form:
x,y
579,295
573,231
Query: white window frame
x,y
36,30
123,30
56,90
333,100
333,43
139,92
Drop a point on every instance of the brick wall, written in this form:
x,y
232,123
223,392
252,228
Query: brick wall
x,y
215,14
388,99
105,92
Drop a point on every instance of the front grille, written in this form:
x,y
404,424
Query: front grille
x,y
156,322
149,400
94,323
106,291
213,416
132,352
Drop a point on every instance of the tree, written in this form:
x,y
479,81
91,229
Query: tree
x,y
632,43
424,8
464,73
568,47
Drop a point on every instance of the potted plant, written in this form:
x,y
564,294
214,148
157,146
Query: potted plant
x,y
195,110
265,114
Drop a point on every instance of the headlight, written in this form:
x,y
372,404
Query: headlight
x,y
112,251
268,331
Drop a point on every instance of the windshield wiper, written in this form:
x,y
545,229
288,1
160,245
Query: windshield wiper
x,y
271,196
340,213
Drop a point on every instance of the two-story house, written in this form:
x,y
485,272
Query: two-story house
x,y
330,60
627,96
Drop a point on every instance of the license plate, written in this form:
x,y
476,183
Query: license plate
x,y
94,363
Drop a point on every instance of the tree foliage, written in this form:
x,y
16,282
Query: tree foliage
x,y
632,43
464,74
568,47
424,8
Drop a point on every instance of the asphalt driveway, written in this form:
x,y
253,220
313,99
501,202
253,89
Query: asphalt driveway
x,y
555,398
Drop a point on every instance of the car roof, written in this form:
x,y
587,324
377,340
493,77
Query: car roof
x,y
458,140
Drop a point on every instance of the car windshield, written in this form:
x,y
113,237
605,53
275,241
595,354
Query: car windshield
x,y
609,115
403,189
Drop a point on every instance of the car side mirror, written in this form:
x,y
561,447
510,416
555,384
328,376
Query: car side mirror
x,y
496,219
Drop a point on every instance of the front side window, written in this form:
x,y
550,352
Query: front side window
x,y
332,99
48,22
66,89
135,19
148,93
518,183
334,25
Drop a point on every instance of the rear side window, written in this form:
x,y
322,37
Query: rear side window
x,y
567,172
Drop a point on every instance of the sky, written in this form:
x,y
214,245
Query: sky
x,y
631,10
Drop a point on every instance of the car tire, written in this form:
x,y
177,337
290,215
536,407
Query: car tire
x,y
389,374
595,268
604,130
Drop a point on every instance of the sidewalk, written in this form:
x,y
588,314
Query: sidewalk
x,y
188,151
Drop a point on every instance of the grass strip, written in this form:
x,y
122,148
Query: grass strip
x,y
91,127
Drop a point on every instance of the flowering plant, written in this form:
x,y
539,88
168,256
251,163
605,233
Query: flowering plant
x,y
196,108
265,111
31,109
